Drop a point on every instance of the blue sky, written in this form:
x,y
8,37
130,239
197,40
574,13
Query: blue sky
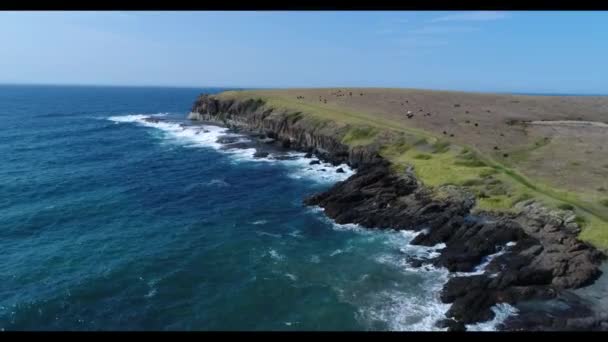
x,y
560,52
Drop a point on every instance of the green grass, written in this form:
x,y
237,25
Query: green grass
x,y
604,202
441,146
360,135
565,206
422,156
437,162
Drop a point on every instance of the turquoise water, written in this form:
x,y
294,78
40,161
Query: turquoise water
x,y
112,223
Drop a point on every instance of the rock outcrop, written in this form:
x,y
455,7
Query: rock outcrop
x,y
289,130
530,255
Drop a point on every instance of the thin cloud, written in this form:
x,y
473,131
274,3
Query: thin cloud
x,y
443,29
473,16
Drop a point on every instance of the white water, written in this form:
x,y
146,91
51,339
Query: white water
x,y
207,136
399,309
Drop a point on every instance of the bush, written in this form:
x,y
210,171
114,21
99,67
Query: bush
x,y
422,156
565,206
441,146
472,182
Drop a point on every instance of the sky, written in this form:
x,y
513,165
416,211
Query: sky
x,y
543,52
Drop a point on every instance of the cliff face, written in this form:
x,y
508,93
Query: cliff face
x,y
290,129
536,253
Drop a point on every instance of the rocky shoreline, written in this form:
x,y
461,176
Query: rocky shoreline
x,y
533,255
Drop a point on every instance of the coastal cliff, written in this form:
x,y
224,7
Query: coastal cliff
x,y
533,253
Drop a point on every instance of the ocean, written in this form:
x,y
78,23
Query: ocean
x,y
112,222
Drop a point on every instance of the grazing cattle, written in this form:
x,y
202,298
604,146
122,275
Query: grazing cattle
x,y
457,105
444,132
505,155
496,147
476,124
452,135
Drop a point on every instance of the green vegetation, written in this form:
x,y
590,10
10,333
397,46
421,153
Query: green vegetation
x,y
565,206
497,184
360,135
441,146
422,156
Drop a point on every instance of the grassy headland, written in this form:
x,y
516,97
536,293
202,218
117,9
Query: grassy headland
x,y
486,143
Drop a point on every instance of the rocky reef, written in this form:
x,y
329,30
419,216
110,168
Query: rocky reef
x,y
530,254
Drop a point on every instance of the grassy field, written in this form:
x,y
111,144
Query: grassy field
x,y
484,142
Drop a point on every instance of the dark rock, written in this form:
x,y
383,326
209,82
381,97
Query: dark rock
x,y
545,259
451,325
340,170
260,154
314,162
308,155
227,140
152,120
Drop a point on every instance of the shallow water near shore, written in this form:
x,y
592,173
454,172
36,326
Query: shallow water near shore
x,y
115,222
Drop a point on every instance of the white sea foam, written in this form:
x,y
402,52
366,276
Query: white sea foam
x,y
481,268
217,182
296,234
502,311
258,222
401,310
207,136
267,234
151,293
273,254
291,276
336,252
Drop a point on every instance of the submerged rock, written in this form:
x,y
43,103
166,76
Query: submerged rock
x,y
260,154
451,325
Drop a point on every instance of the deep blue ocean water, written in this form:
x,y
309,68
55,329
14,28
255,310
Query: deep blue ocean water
x,y
111,223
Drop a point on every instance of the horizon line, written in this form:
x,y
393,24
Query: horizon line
x,y
519,92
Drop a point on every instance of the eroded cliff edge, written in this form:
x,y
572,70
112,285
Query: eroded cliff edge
x,y
534,254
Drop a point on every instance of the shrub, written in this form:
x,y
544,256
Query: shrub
x,y
422,156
